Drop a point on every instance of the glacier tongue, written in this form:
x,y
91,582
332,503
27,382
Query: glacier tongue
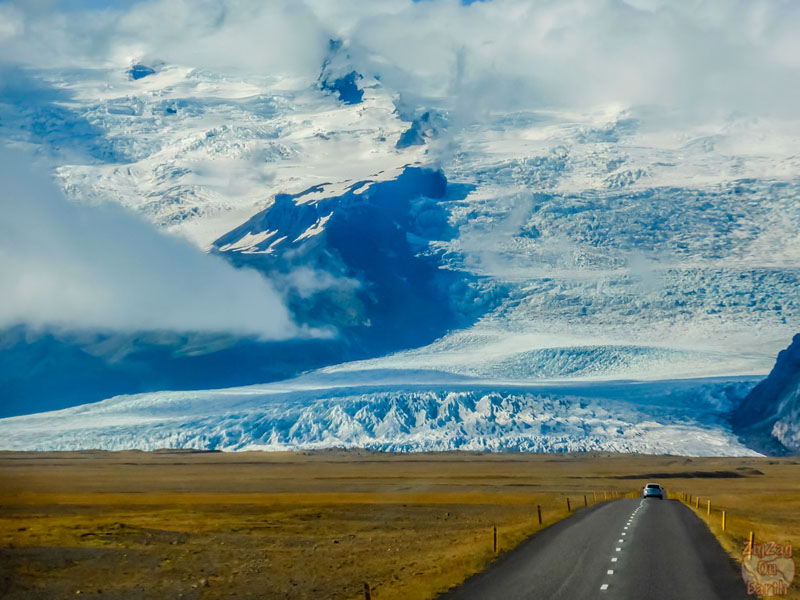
x,y
412,411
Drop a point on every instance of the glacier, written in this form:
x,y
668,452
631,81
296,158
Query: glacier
x,y
520,276
402,411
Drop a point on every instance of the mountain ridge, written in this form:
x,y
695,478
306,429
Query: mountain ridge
x,y
769,417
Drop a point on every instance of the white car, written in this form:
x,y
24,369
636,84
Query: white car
x,y
654,490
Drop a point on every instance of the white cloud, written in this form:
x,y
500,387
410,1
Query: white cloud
x,y
265,38
102,267
280,37
712,55
11,22
719,55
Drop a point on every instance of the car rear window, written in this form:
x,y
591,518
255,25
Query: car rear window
x,y
653,486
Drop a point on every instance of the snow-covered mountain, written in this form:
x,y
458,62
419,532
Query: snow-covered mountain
x,y
476,225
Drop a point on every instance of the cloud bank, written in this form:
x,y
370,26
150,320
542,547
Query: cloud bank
x,y
697,56
102,267
240,37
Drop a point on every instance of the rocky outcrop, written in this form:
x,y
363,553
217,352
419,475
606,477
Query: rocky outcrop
x,y
768,419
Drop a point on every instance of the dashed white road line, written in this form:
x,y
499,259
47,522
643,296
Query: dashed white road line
x,y
614,559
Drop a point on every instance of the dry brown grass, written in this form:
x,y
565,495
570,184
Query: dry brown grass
x,y
314,525
768,505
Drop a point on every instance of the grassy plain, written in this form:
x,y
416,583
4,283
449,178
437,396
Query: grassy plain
x,y
767,505
320,525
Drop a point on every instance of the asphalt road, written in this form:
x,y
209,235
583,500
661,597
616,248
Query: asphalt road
x,y
655,549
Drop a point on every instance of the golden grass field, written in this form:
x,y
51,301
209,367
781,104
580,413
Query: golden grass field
x,y
770,510
319,525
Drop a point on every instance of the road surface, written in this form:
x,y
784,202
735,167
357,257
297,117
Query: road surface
x,y
655,549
